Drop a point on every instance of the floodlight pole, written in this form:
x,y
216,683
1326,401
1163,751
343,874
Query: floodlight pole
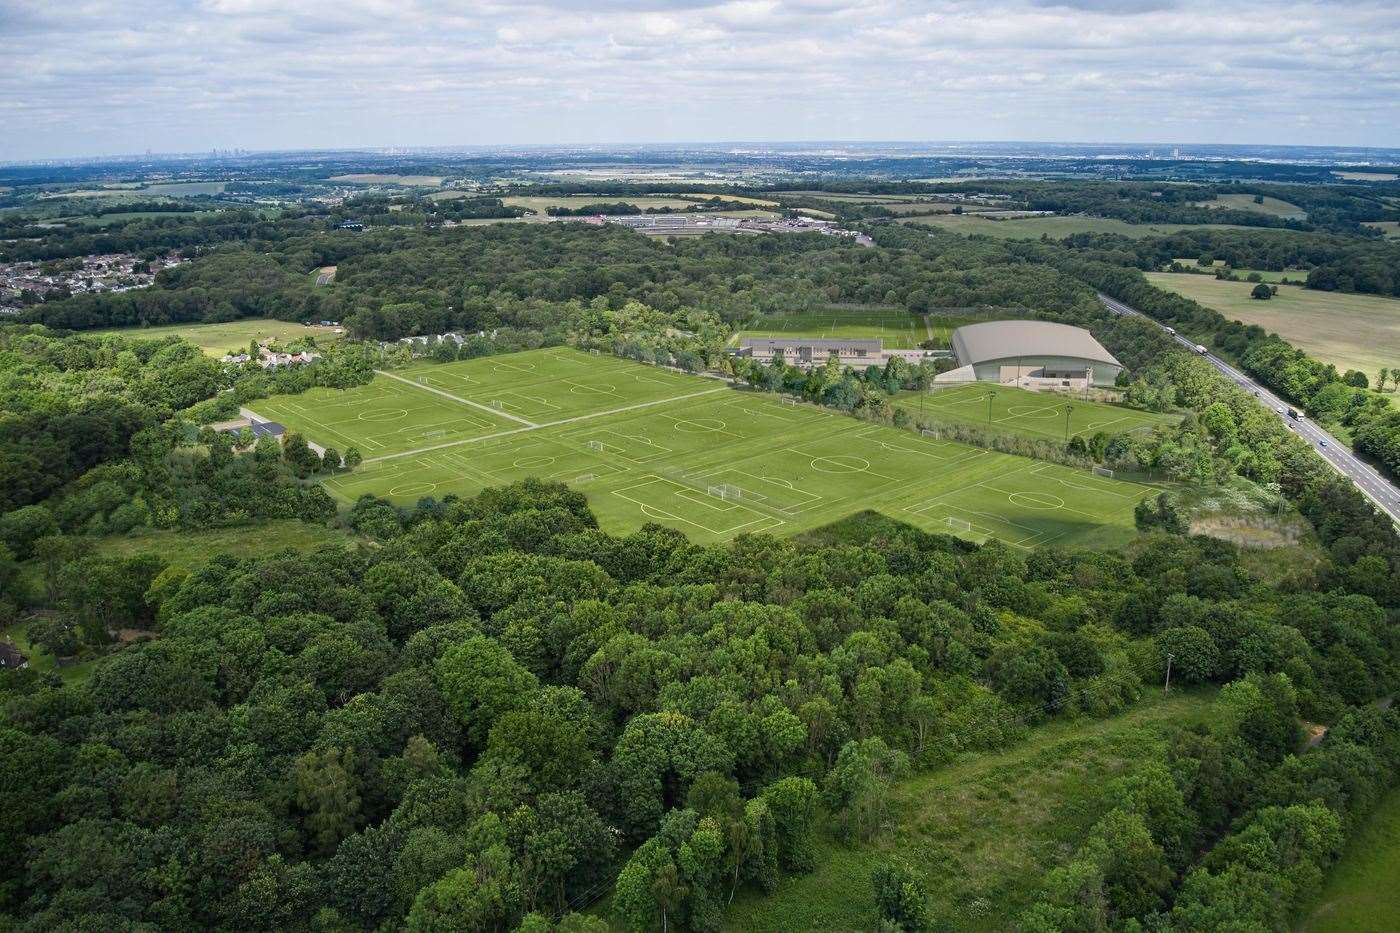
x,y
1068,409
1166,687
990,395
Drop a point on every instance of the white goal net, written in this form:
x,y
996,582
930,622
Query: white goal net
x,y
958,524
595,445
724,491
1103,471
789,400
498,404
929,432
585,477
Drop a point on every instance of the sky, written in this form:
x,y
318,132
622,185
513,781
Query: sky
x,y
93,77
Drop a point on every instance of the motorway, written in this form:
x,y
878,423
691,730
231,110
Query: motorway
x,y
1382,492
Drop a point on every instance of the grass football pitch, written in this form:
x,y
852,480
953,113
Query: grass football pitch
x,y
650,445
1036,415
896,329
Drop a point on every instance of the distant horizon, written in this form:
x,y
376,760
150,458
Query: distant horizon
x,y
1160,150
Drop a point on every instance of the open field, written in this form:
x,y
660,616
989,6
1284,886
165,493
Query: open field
x,y
541,203
739,198
897,329
1274,207
1350,331
1036,415
190,549
1360,894
984,830
370,178
647,444
1391,228
218,339
1366,176
178,189
112,220
1053,227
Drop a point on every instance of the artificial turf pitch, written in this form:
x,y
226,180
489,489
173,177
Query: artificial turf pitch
x,y
649,445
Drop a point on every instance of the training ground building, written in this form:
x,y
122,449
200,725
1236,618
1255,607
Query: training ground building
x,y
816,351
1031,355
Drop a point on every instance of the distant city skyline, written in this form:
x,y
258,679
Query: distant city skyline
x,y
108,78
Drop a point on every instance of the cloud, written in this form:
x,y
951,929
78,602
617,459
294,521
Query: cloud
x,y
114,76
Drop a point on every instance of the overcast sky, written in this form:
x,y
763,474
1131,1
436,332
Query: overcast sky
x,y
87,77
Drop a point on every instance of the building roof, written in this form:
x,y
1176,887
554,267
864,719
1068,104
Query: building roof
x,y
268,429
10,656
1000,340
816,344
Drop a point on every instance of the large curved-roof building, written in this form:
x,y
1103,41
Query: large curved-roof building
x,y
1034,354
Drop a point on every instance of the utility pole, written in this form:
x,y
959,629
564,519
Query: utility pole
x,y
1168,685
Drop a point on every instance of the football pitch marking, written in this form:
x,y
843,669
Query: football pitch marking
x,y
458,398
548,424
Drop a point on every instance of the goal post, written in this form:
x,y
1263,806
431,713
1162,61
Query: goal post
x,y
498,404
724,491
585,477
790,400
958,524
595,445
929,432
1103,471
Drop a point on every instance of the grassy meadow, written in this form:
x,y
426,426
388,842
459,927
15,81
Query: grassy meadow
x,y
1360,895
896,329
541,203
1274,207
1035,415
185,548
1350,331
646,444
983,830
218,339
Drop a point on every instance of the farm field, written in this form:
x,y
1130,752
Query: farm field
x,y
897,329
1274,207
112,220
1360,895
177,189
983,831
1054,227
1350,331
1036,415
541,203
650,445
218,339
370,178
1391,228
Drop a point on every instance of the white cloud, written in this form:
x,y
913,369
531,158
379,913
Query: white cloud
x,y
104,76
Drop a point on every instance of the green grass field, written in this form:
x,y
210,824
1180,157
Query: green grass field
x,y
1053,227
42,661
1350,331
371,178
1037,415
646,444
1391,228
896,329
539,204
218,339
1360,895
983,830
184,548
1274,207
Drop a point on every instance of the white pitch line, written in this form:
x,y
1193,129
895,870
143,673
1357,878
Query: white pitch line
x,y
458,398
548,424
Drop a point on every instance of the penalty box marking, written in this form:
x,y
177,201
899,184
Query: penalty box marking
x,y
676,489
812,499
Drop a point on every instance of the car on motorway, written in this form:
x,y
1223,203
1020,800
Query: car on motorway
x,y
1322,443
1172,331
1201,349
1279,410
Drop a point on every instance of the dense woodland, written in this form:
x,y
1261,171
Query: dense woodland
x,y
487,714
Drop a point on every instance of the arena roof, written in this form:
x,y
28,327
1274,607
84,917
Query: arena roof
x,y
1000,340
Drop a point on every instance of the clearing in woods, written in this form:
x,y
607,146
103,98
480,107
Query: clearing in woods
x,y
218,339
1245,202
646,444
897,329
1036,415
983,830
1348,330
1026,228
